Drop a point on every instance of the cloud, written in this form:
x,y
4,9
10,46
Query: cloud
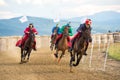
x,y
19,1
59,8
47,2
33,2
7,14
3,3
87,10
23,1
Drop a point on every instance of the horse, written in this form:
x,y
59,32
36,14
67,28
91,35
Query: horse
x,y
27,47
79,48
53,38
62,44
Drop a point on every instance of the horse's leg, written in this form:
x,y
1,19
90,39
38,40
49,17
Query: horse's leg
x,y
71,55
29,54
79,56
51,47
25,53
56,54
22,55
63,52
72,59
52,43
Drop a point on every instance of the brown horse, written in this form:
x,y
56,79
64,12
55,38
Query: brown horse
x,y
79,48
53,38
27,48
62,44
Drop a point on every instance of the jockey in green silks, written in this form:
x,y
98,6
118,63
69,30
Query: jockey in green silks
x,y
69,32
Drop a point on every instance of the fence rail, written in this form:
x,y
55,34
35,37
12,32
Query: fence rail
x,y
8,43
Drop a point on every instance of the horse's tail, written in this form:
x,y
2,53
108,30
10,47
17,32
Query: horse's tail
x,y
78,60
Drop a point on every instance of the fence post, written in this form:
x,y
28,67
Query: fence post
x,y
106,55
91,53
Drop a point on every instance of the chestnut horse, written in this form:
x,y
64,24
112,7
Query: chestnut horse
x,y
62,44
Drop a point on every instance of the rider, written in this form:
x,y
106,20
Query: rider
x,y
70,34
83,27
26,35
57,29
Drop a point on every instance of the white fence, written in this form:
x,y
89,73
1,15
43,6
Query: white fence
x,y
101,52
8,43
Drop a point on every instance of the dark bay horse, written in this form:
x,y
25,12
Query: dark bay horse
x,y
53,38
79,48
27,48
62,44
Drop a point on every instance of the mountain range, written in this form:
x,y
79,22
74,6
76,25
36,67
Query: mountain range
x,y
101,23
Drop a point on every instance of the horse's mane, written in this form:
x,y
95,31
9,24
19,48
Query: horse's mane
x,y
30,39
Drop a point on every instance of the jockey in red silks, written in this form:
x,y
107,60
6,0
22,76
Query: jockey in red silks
x,y
68,38
26,35
85,26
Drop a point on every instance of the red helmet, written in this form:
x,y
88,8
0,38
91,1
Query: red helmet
x,y
88,21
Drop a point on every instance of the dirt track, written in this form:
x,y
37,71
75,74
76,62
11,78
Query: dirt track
x,y
42,66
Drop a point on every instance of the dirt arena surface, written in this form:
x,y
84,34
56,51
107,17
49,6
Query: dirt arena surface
x,y
42,66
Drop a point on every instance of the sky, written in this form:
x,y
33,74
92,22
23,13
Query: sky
x,y
62,9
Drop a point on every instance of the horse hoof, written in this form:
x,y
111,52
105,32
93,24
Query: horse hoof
x,y
56,55
71,71
21,63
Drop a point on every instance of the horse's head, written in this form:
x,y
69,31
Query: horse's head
x,y
65,32
55,31
87,35
31,35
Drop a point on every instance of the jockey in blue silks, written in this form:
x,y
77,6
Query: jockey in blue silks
x,y
55,30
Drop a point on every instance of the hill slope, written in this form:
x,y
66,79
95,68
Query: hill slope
x,y
101,23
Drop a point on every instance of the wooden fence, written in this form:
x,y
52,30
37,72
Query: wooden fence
x,y
8,43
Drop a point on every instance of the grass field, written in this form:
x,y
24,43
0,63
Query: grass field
x,y
114,51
